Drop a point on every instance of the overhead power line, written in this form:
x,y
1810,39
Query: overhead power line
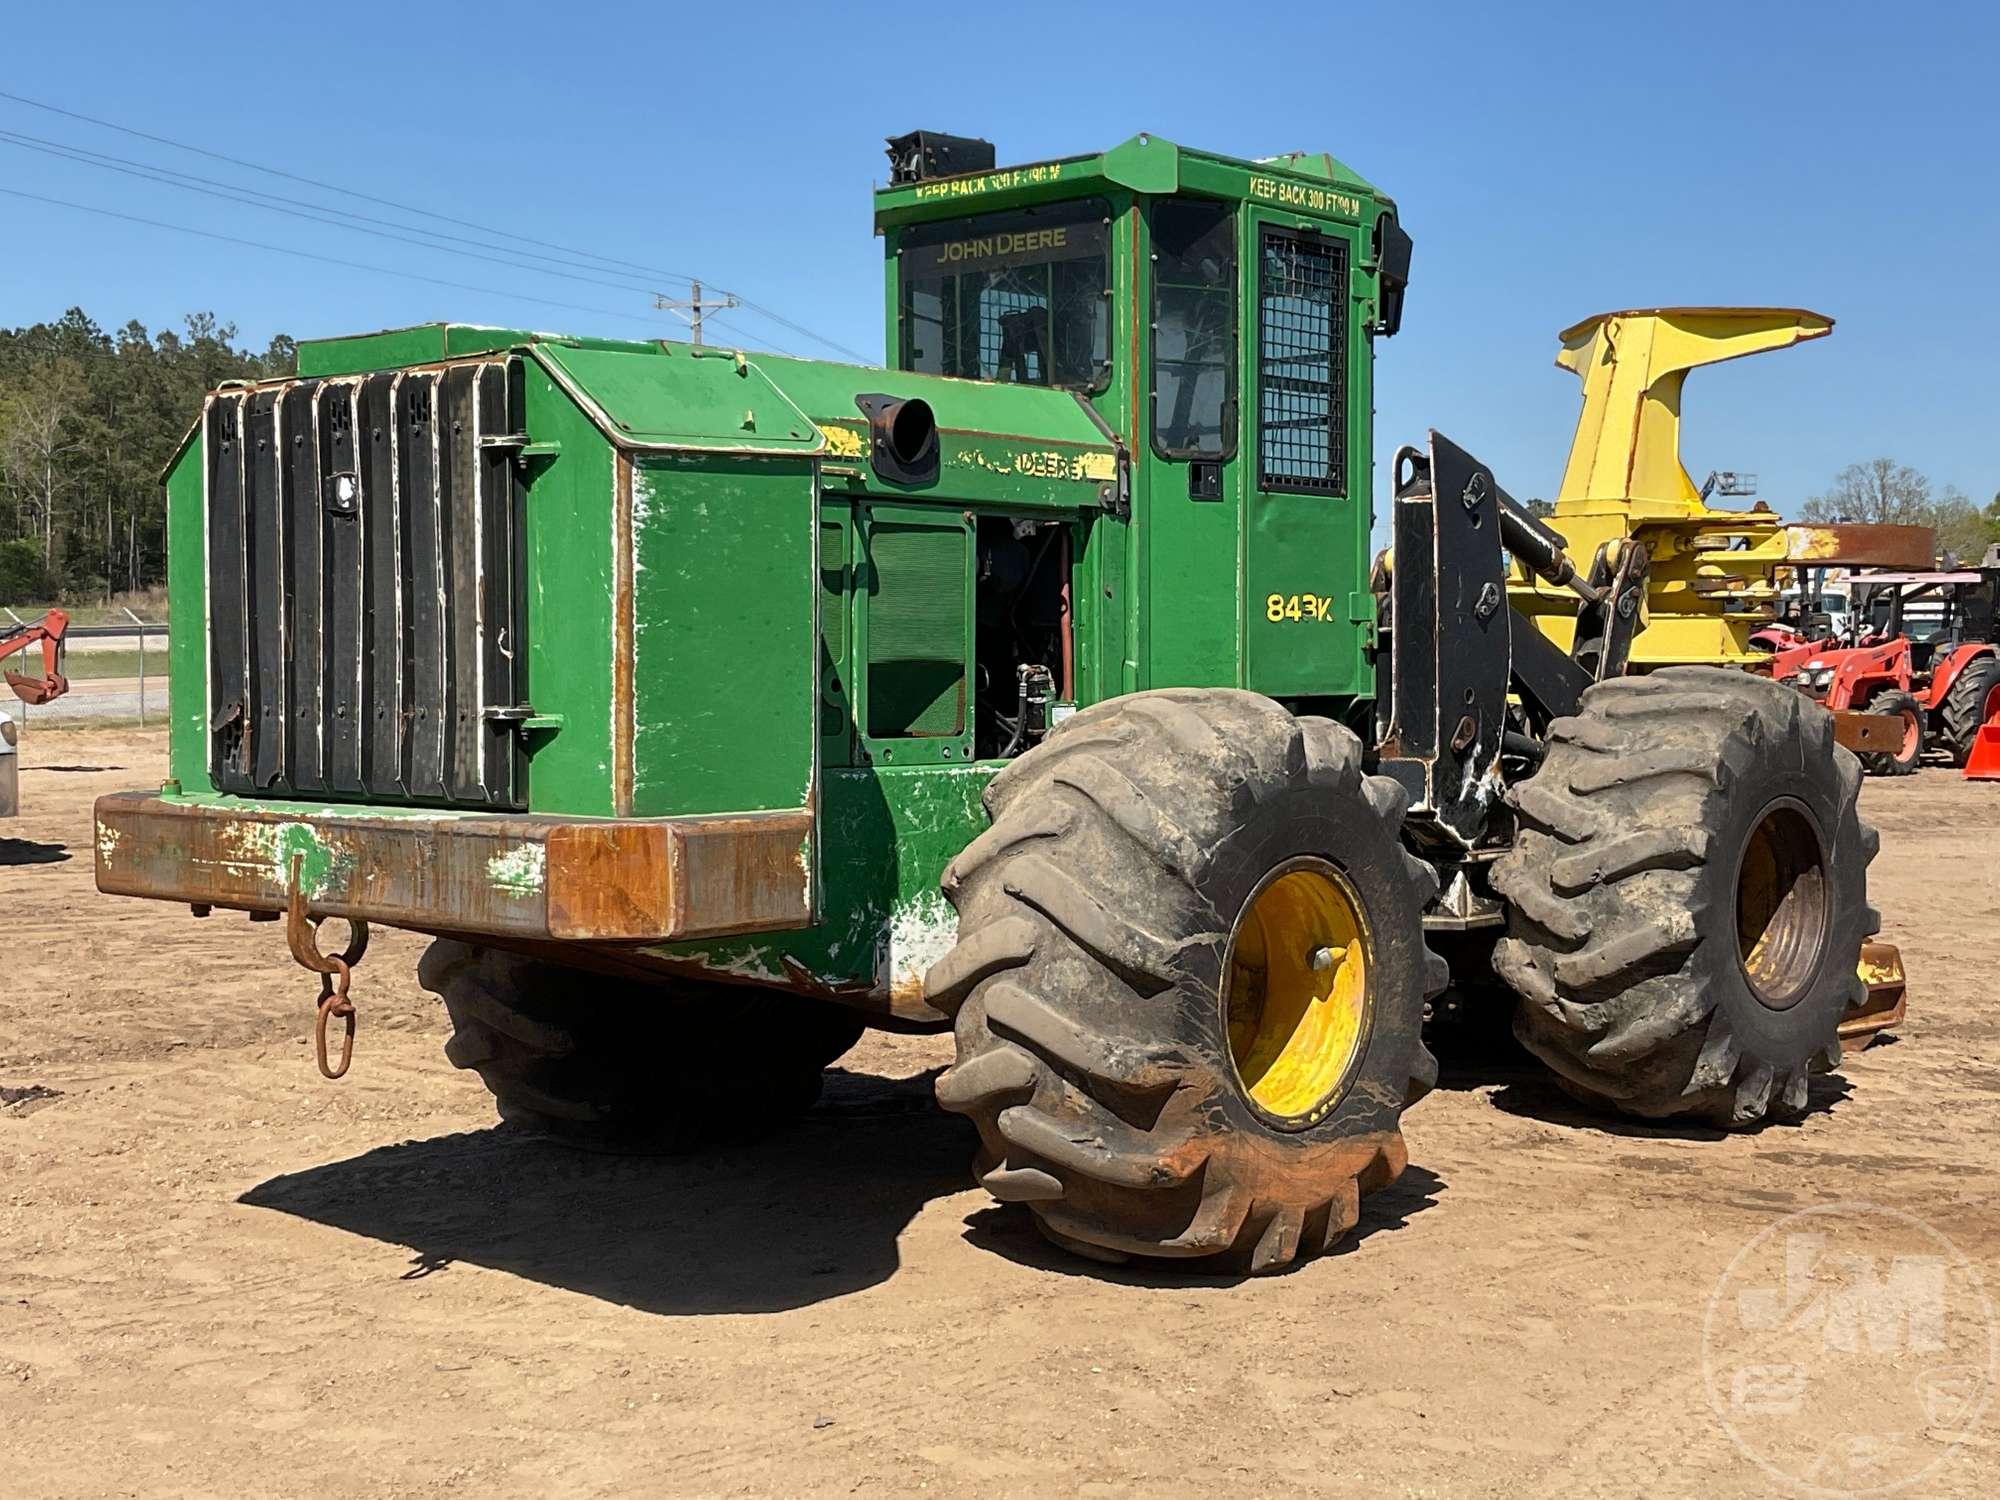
x,y
784,322
576,256
251,166
330,260
720,322
299,208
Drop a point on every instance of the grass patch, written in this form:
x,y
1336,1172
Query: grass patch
x,y
40,725
150,606
82,666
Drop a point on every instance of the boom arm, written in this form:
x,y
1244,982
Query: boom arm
x,y
48,631
1456,651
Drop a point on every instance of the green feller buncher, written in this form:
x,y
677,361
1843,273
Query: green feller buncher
x,y
709,707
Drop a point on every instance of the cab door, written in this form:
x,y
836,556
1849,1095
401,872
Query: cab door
x,y
1192,473
1307,469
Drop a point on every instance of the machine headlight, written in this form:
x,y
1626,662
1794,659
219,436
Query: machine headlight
x,y
343,493
1823,677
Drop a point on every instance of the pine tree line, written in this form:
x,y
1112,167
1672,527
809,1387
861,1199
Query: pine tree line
x,y
88,419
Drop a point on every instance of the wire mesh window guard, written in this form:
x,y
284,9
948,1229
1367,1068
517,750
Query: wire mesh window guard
x,y
1302,363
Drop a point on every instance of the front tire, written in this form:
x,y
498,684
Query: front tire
x,y
627,1064
1687,897
1189,981
1902,761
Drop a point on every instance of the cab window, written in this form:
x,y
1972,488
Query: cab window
x,y
1021,297
1194,328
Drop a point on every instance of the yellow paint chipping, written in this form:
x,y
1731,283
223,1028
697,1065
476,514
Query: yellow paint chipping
x,y
841,442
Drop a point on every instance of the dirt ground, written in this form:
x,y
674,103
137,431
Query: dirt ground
x,y
220,1275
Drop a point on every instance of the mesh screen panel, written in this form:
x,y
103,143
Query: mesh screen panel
x,y
917,631
1302,363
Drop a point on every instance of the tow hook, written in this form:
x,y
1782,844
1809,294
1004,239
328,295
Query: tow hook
x,y
335,972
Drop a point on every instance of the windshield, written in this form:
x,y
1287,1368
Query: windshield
x,y
1020,297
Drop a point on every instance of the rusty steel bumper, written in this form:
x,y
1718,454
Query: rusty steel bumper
x,y
522,877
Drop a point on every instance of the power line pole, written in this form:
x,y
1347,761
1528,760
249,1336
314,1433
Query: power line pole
x,y
694,305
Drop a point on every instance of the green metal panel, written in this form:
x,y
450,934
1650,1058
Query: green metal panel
x,y
1311,182
887,832
680,396
1145,164
426,344
187,620
570,589
1009,445
826,392
430,343
724,670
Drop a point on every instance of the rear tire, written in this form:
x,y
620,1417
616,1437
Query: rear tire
x,y
1974,696
624,1064
1687,897
1121,967
1902,761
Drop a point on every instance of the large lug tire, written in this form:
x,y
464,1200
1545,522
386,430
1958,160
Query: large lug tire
x,y
1903,760
626,1064
1126,932
1974,698
1687,897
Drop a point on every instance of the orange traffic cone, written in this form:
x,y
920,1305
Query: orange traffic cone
x,y
1984,762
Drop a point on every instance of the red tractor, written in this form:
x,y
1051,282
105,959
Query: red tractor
x,y
1925,655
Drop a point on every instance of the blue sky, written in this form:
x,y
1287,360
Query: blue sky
x,y
1550,161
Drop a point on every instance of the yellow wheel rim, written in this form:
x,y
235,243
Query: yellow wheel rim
x,y
1782,900
1296,997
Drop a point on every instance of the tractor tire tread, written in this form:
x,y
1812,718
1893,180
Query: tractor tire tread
x,y
628,1064
1615,901
1097,1118
1965,704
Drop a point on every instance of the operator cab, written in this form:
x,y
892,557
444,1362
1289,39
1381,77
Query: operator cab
x,y
1215,316
1935,611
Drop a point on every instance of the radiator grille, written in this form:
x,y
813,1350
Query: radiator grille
x,y
365,592
917,631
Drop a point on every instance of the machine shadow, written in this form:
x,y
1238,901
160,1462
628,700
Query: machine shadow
x,y
1009,1230
1540,1098
1479,1051
30,852
810,1214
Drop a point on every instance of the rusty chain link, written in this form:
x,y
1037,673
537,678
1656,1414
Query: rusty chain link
x,y
335,971
333,1001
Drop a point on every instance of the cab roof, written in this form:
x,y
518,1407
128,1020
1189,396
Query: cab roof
x,y
1310,182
